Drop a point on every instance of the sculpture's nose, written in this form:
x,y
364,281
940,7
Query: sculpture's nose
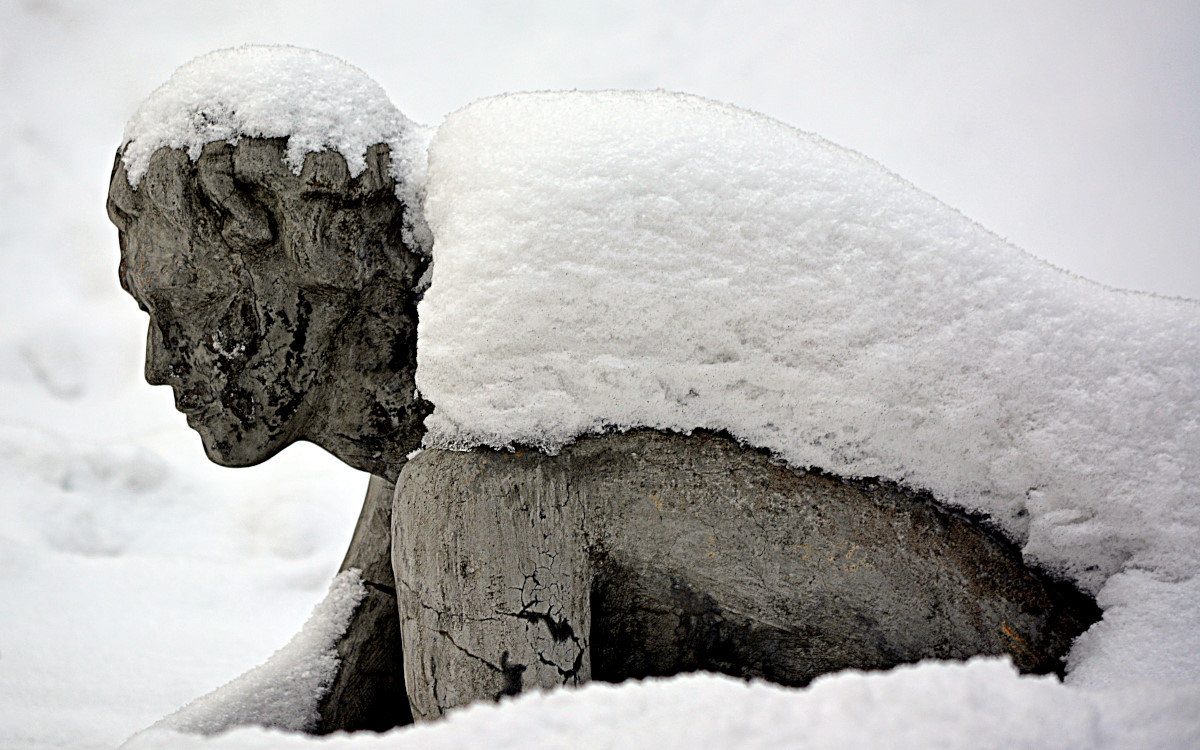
x,y
158,366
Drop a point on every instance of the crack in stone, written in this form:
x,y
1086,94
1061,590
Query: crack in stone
x,y
560,629
476,657
511,673
381,588
566,674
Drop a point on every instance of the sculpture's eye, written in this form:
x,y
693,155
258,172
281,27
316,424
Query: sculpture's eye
x,y
120,215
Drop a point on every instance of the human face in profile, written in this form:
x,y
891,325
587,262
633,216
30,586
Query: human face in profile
x,y
238,342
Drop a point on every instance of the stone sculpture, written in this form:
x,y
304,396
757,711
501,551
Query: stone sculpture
x,y
232,257
281,305
490,573
643,553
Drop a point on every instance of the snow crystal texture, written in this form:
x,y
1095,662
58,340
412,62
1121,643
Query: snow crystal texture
x,y
286,690
614,260
980,704
317,101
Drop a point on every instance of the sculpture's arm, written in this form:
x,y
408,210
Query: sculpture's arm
x,y
368,692
493,581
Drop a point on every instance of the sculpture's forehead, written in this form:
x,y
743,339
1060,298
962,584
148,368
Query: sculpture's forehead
x,y
161,256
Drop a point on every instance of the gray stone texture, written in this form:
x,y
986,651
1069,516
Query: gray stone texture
x,y
638,554
369,692
281,305
281,309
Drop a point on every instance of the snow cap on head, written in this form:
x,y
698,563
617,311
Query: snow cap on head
x,y
315,100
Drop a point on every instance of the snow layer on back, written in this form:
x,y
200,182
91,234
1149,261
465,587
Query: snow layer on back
x,y
286,690
315,100
613,260
981,704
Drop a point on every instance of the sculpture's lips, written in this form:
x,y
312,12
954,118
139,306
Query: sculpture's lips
x,y
190,400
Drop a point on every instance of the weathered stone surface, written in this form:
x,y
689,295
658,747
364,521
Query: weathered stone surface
x,y
281,306
693,552
281,309
369,690
493,584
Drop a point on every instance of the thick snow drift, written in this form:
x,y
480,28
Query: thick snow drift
x,y
980,704
285,691
611,260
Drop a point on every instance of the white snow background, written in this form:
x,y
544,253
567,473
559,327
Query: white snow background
x,y
134,576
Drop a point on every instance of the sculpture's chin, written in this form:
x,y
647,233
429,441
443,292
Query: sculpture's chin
x,y
232,461
237,450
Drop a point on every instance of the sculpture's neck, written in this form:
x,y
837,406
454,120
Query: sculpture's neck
x,y
381,459
369,414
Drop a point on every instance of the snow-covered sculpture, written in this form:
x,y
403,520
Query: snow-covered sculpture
x,y
662,312
278,282
262,232
258,282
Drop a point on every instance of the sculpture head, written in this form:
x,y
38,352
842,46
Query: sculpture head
x,y
281,305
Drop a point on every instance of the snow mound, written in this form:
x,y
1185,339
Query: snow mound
x,y
286,690
622,259
315,100
980,704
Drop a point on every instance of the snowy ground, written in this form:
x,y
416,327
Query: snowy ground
x,y
135,576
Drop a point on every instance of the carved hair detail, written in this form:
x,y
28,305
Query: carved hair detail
x,y
341,231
